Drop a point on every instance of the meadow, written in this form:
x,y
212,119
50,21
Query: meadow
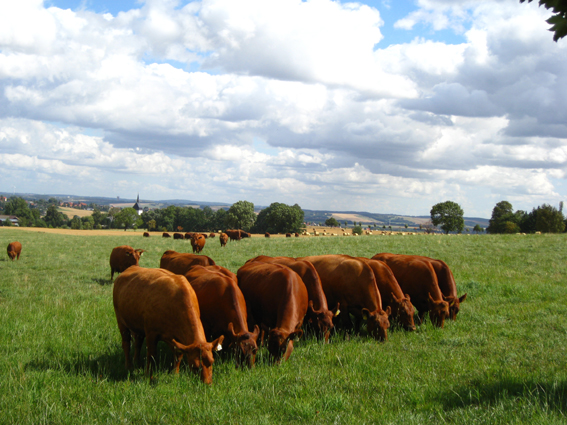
x,y
502,362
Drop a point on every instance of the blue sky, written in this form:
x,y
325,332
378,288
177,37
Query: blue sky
x,y
380,106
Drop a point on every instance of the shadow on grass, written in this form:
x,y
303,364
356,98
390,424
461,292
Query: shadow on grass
x,y
550,395
103,282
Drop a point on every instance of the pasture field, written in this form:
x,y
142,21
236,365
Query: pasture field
x,y
504,361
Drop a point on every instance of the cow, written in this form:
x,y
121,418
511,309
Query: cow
x,y
296,234
234,235
266,235
223,311
417,278
391,294
123,257
166,235
446,283
212,235
178,236
277,300
146,235
198,242
288,235
352,284
188,235
245,234
14,250
158,305
319,317
181,263
223,238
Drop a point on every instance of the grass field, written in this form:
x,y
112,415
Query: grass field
x,y
504,361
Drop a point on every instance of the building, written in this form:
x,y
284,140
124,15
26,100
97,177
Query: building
x,y
12,218
137,207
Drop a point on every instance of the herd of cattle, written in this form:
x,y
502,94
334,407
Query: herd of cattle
x,y
190,300
198,239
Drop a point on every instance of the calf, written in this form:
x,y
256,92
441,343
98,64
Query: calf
x,y
159,305
14,250
223,311
123,257
223,238
181,263
197,242
417,278
319,317
352,283
277,299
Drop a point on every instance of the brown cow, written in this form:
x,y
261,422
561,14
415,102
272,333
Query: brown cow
x,y
223,311
446,283
212,235
198,242
159,305
223,239
352,283
288,235
123,257
178,236
14,250
277,299
391,294
166,235
234,235
417,278
266,235
318,314
146,235
181,263
188,235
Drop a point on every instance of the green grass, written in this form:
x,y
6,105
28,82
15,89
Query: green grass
x,y
503,361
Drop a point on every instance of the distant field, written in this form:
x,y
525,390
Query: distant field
x,y
72,212
504,361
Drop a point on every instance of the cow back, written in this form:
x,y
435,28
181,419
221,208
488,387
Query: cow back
x,y
181,263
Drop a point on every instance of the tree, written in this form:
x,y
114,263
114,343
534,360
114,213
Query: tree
x,y
558,21
477,228
449,215
357,230
54,217
125,218
279,218
549,219
19,207
241,215
503,219
332,222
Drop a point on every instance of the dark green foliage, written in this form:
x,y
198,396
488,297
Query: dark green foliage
x,y
449,215
279,218
332,222
558,21
357,230
54,217
545,218
241,215
549,219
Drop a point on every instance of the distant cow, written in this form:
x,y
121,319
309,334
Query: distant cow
x,y
146,235
277,300
181,263
14,250
223,311
266,235
198,242
351,282
223,239
319,317
288,235
166,235
417,278
178,236
234,235
391,294
296,234
212,235
188,235
159,305
445,280
123,257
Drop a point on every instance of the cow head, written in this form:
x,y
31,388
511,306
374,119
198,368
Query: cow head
x,y
280,343
245,346
377,322
454,305
405,312
199,356
322,319
12,255
438,311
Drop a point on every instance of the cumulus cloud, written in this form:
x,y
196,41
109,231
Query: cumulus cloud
x,y
177,95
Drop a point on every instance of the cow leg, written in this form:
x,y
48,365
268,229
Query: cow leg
x,y
111,274
151,360
138,342
126,337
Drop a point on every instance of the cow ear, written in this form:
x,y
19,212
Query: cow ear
x,y
452,303
365,313
388,311
128,253
231,329
217,343
310,307
398,300
464,297
256,332
178,346
408,297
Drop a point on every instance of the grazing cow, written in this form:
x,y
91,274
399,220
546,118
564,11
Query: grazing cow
x,y
166,235
123,257
277,300
159,305
319,317
146,235
223,311
296,234
417,278
245,234
266,235
212,235
178,236
14,250
234,235
223,238
352,284
391,294
445,280
181,263
288,235
198,242
188,235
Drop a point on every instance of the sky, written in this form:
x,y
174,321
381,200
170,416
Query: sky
x,y
381,106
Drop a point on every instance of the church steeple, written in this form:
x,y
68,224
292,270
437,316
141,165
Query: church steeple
x,y
137,207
